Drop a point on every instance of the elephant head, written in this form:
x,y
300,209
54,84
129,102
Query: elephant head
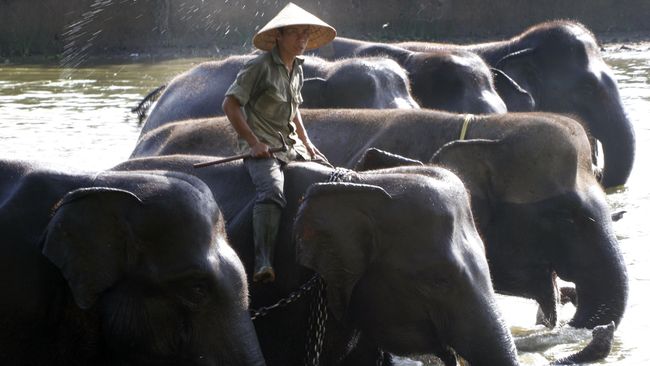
x,y
560,65
404,265
356,83
154,267
456,81
538,225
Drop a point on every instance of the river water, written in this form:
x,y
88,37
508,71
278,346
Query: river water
x,y
80,118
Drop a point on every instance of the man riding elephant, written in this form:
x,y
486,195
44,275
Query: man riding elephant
x,y
364,82
268,89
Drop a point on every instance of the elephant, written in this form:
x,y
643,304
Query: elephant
x,y
537,203
455,81
353,83
559,64
404,267
118,268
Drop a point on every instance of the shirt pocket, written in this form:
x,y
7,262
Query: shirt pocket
x,y
273,104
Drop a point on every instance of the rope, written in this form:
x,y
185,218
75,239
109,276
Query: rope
x,y
463,131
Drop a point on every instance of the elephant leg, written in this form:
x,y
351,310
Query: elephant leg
x,y
366,353
446,355
568,294
548,304
266,221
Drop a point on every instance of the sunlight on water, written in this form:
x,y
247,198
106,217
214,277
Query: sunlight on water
x,y
83,120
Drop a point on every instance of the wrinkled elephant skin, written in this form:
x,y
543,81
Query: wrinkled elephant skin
x,y
353,83
560,65
524,190
116,269
351,234
450,80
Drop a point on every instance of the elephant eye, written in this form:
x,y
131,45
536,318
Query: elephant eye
x,y
559,215
199,290
434,280
193,294
565,216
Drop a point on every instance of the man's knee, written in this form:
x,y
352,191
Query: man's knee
x,y
268,179
271,196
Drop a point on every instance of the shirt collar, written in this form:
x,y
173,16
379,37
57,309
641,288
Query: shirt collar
x,y
275,54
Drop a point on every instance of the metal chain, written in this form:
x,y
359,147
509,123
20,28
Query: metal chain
x,y
339,174
295,295
318,309
316,327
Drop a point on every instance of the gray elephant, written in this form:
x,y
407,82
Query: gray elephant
x,y
536,200
118,268
559,64
455,80
402,274
356,83
353,83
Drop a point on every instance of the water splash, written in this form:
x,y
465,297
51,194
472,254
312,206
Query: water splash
x,y
223,21
79,38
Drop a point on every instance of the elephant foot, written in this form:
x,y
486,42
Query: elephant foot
x,y
265,274
568,295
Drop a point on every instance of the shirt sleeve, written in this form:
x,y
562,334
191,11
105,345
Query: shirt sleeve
x,y
246,81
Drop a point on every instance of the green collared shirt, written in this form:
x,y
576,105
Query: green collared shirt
x,y
271,97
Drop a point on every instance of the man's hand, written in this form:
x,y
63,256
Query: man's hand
x,y
315,153
260,150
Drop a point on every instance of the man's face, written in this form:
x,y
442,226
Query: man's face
x,y
293,40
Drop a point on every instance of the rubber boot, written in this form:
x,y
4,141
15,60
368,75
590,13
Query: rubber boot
x,y
266,221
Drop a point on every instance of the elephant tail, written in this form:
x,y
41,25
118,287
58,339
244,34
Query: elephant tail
x,y
143,107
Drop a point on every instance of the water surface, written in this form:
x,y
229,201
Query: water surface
x,y
80,118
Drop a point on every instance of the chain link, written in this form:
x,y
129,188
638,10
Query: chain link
x,y
292,297
340,174
317,320
318,308
380,358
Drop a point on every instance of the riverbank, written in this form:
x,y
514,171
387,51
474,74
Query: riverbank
x,y
72,29
611,42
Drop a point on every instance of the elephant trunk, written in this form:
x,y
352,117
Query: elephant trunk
x,y
601,285
238,347
619,145
485,339
611,126
601,299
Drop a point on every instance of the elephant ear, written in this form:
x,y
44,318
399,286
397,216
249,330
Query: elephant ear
x,y
473,162
313,90
335,236
517,98
519,66
90,241
375,158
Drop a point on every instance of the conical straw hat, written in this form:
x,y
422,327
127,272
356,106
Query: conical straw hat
x,y
321,32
